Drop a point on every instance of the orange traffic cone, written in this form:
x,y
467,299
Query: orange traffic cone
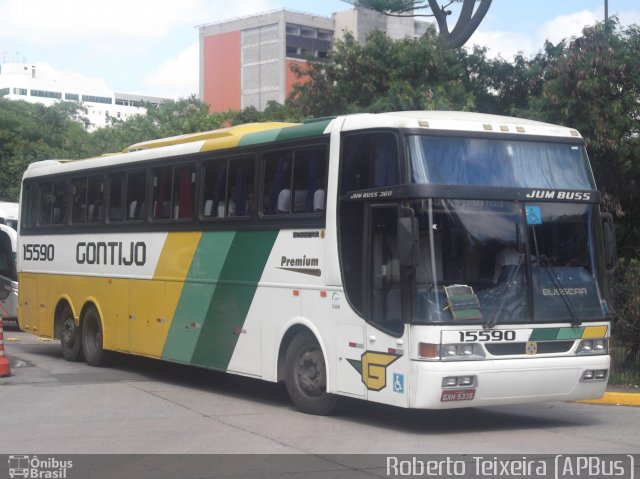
x,y
5,368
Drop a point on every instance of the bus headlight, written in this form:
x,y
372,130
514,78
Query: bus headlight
x,y
595,375
459,381
593,346
451,352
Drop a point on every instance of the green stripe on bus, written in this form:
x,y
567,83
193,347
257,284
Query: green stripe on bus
x,y
200,284
232,297
570,333
314,128
545,334
259,137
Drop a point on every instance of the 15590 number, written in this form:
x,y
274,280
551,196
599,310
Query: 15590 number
x,y
487,336
38,252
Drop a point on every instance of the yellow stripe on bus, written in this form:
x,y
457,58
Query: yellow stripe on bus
x,y
594,332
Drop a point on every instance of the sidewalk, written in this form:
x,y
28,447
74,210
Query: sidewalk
x,y
618,396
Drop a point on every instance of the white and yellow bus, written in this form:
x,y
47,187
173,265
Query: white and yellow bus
x,y
418,259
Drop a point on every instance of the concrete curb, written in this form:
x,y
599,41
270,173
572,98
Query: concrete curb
x,y
616,399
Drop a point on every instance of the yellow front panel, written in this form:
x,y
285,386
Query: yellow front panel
x,y
594,332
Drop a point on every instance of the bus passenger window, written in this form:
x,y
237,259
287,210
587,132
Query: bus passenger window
x,y
59,203
116,197
228,188
295,181
215,188
184,178
277,186
240,190
95,200
45,203
136,194
161,193
79,200
369,160
309,180
29,205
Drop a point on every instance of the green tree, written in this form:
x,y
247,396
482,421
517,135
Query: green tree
x,y
31,132
186,115
383,75
592,83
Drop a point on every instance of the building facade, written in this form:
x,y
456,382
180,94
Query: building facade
x,y
247,61
35,84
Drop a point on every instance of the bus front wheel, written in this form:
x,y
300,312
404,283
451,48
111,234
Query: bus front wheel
x,y
306,376
70,336
92,348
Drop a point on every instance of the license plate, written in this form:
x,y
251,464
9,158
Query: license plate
x,y
458,395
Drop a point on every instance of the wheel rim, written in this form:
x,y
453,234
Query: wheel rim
x,y
68,334
310,372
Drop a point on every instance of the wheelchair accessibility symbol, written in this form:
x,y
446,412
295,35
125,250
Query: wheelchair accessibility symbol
x,y
534,217
398,383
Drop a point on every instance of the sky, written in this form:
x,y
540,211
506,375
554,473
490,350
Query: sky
x,y
150,47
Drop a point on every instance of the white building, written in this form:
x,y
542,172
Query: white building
x,y
41,84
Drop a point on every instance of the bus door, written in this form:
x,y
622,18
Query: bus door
x,y
392,240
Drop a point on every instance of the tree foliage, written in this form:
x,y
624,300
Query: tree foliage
x,y
384,75
592,83
30,132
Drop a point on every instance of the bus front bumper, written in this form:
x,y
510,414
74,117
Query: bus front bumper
x,y
506,381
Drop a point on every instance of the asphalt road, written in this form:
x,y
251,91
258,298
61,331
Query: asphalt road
x,y
138,405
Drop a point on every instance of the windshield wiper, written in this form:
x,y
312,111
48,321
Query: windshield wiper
x,y
493,319
541,260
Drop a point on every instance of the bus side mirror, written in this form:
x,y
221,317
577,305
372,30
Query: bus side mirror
x,y
408,242
610,250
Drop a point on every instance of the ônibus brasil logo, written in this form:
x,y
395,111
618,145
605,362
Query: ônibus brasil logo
x,y
35,468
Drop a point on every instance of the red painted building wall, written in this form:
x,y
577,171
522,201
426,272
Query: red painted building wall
x,y
291,79
222,88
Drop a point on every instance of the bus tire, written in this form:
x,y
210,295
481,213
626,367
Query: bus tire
x,y
306,376
70,336
92,339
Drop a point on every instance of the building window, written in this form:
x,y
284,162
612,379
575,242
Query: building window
x,y
46,94
4,91
97,99
72,96
20,91
308,32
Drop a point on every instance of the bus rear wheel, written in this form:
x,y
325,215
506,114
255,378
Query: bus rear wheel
x,y
70,336
92,345
306,376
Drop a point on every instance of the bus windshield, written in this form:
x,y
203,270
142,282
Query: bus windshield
x,y
447,160
488,261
